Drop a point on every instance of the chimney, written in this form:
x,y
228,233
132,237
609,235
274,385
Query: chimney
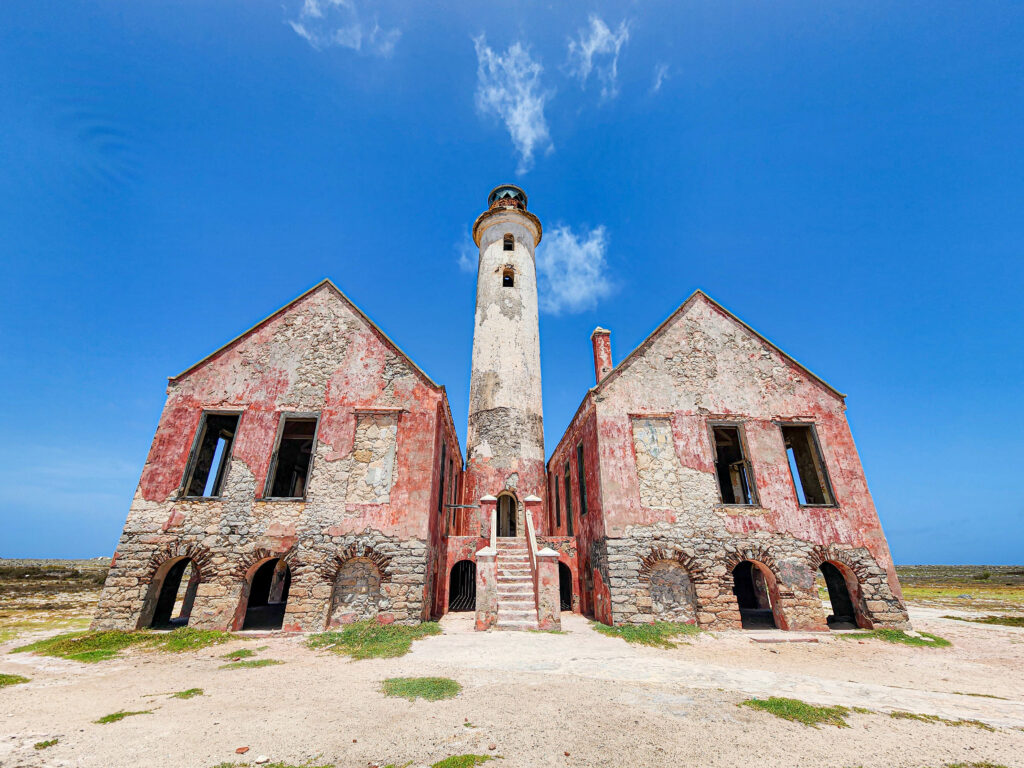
x,y
602,341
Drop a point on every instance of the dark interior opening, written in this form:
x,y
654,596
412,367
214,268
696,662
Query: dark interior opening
x,y
508,278
732,468
806,465
509,243
843,615
209,466
268,596
751,590
564,587
462,586
294,452
170,591
506,516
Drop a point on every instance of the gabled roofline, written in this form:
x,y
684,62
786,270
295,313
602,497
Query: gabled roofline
x,y
628,359
328,283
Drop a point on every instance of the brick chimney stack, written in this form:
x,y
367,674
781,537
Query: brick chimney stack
x,y
602,341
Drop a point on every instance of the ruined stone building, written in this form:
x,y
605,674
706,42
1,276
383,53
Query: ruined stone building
x,y
308,474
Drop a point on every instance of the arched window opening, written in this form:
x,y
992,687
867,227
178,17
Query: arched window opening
x,y
357,594
843,615
672,594
752,594
508,278
462,586
510,243
174,593
268,595
507,509
564,587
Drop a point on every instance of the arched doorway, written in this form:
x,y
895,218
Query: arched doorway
x,y
751,587
462,586
268,595
843,615
564,587
507,509
171,595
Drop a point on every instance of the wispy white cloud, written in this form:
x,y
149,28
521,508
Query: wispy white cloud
x,y
597,50
326,23
469,255
660,75
508,86
573,269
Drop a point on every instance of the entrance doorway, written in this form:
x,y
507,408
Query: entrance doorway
x,y
268,595
751,590
462,586
174,593
507,508
564,587
843,614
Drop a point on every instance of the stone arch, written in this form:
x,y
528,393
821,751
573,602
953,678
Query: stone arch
x,y
669,577
197,553
462,586
250,561
160,608
249,566
356,594
357,550
764,567
855,574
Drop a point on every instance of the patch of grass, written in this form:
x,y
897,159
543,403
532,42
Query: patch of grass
x,y
926,639
243,653
45,744
862,710
6,680
370,640
981,695
943,720
660,634
429,688
191,693
1006,621
468,724
800,711
115,716
91,647
250,664
462,761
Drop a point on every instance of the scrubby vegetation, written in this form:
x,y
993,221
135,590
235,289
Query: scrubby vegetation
x,y
429,688
462,761
920,639
943,720
1006,621
660,634
370,640
6,680
800,711
250,664
45,744
191,693
116,716
91,647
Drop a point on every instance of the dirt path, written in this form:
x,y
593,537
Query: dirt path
x,y
534,696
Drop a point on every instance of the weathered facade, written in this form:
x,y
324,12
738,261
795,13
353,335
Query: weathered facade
x,y
308,474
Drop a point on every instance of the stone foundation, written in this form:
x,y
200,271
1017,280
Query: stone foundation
x,y
669,572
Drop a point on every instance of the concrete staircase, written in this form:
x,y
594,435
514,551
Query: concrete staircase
x,y
517,605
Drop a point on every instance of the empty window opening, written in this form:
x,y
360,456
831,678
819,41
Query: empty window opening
x,y
175,594
564,587
268,596
206,473
568,499
558,505
843,615
806,466
507,509
510,243
294,454
735,477
508,278
751,589
462,586
582,472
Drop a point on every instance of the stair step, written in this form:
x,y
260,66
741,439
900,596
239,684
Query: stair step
x,y
515,626
505,606
517,615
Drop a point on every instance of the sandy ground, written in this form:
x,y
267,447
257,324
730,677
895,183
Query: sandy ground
x,y
534,696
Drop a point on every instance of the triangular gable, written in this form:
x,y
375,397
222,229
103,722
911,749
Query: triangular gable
x,y
323,283
683,308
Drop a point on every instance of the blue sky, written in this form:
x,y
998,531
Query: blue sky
x,y
846,176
